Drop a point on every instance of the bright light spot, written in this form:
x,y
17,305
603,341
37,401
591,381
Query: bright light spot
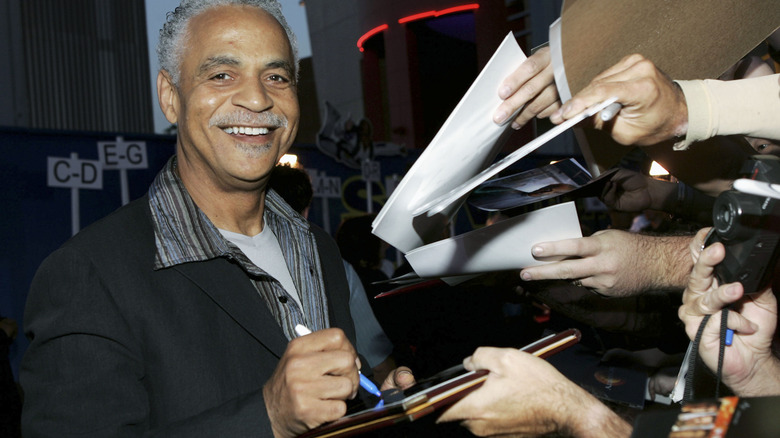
x,y
289,160
657,170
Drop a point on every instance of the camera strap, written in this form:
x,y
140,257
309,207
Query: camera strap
x,y
688,395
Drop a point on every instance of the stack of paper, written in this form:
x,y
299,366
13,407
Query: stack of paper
x,y
456,162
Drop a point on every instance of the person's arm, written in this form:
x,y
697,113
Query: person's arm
x,y
631,191
745,106
657,109
616,263
749,367
526,395
530,87
371,340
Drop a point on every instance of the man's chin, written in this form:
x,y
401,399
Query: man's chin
x,y
253,151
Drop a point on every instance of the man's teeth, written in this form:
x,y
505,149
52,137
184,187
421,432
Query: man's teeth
x,y
246,130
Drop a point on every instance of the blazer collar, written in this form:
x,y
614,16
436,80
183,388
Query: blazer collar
x,y
230,288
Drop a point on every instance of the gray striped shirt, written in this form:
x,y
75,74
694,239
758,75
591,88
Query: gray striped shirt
x,y
183,234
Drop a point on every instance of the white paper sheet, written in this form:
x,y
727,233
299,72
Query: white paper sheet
x,y
505,245
437,205
467,143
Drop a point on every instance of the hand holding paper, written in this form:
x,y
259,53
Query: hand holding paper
x,y
529,89
450,166
654,107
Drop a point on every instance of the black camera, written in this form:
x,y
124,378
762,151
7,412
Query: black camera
x,y
749,228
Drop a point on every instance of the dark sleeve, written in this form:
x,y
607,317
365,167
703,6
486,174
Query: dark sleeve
x,y
336,286
337,289
84,371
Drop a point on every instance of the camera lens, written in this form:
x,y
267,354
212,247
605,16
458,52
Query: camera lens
x,y
734,214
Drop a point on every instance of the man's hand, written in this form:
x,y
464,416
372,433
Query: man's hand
x,y
654,107
530,87
525,395
313,378
616,263
399,378
749,368
631,191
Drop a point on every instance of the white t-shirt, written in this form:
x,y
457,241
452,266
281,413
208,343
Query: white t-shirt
x,y
264,251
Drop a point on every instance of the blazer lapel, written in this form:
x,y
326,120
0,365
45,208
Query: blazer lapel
x,y
230,288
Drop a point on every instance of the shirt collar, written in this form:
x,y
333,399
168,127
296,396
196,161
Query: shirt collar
x,y
183,233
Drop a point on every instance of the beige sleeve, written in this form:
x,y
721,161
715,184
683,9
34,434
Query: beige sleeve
x,y
747,106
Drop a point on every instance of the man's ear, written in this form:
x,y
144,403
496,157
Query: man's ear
x,y
167,96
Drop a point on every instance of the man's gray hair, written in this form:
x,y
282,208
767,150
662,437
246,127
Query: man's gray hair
x,y
172,43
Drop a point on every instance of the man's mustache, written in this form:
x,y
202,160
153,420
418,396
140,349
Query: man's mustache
x,y
265,119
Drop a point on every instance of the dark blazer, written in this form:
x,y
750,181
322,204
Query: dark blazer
x,y
118,349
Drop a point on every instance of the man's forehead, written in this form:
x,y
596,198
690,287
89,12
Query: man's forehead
x,y
230,18
236,27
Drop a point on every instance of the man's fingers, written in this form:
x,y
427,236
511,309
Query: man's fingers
x,y
547,112
579,247
740,324
545,101
703,274
534,96
481,358
618,81
718,299
326,387
563,270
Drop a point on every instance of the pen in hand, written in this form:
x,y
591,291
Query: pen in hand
x,y
610,111
365,382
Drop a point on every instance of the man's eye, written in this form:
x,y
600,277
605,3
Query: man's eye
x,y
278,78
221,77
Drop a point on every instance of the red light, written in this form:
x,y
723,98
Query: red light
x,y
451,10
369,34
417,17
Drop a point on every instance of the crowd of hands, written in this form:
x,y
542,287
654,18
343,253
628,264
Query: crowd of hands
x,y
524,394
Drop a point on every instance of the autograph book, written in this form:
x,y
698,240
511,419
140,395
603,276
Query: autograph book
x,y
428,395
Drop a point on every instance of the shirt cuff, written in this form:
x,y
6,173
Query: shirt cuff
x,y
699,104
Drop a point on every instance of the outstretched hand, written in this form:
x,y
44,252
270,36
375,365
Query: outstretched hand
x,y
615,263
654,107
525,395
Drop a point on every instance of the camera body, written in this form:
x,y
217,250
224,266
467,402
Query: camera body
x,y
749,228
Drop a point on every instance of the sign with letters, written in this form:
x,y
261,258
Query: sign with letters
x,y
122,154
74,173
326,186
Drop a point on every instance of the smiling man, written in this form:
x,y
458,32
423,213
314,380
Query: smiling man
x,y
175,315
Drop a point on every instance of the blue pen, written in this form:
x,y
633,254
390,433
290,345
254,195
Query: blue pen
x,y
365,382
729,337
